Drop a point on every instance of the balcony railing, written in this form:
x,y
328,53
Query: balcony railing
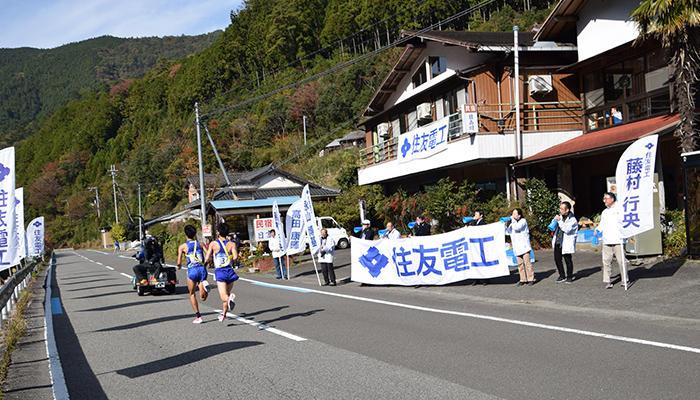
x,y
495,118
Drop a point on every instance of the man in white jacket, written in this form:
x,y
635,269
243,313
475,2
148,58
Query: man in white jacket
x,y
277,254
325,257
612,237
564,242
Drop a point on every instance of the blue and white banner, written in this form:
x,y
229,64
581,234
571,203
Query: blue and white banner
x,y
8,236
21,251
278,226
635,186
475,252
296,242
313,234
424,141
35,237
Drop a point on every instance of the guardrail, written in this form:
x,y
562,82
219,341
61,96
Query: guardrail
x,y
13,286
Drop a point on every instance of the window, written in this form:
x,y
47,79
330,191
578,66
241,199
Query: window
x,y
438,65
451,103
327,223
419,77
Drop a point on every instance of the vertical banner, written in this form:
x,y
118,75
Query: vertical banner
x,y
8,237
295,228
278,226
21,251
35,237
311,226
635,186
474,252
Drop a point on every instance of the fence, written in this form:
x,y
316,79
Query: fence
x,y
12,288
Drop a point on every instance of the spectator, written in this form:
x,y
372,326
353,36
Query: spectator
x,y
116,245
326,258
366,232
612,238
478,220
422,227
564,242
520,239
391,233
276,249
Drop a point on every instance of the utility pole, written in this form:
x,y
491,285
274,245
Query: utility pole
x,y
516,83
113,171
140,216
97,199
202,199
304,120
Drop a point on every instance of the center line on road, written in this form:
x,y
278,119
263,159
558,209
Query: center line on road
x,y
126,275
109,268
264,327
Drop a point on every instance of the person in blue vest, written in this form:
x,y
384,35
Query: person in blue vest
x,y
224,254
193,253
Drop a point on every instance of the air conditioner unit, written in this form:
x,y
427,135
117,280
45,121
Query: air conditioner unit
x,y
540,84
424,112
383,129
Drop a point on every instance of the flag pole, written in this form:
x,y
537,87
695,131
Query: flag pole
x,y
289,278
313,259
623,263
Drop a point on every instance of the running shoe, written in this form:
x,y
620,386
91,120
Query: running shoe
x,y
221,317
207,288
197,320
231,301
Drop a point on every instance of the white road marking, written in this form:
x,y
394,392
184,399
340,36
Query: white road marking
x,y
101,252
506,320
264,327
121,256
123,274
109,268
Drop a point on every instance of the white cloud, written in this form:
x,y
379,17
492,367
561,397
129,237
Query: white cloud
x,y
37,24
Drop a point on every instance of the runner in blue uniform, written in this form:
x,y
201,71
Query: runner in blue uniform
x,y
196,271
224,253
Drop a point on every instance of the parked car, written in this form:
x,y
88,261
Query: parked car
x,y
335,231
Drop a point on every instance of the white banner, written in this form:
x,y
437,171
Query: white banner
x,y
35,237
278,226
475,252
262,228
21,251
8,236
313,234
634,177
423,141
295,228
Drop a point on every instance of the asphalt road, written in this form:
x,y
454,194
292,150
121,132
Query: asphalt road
x,y
354,342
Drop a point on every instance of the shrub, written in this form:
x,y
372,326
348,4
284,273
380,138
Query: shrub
x,y
119,232
542,204
673,237
443,201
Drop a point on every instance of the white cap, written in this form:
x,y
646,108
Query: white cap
x,y
365,222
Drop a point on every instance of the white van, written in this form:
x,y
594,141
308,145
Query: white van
x,y
335,231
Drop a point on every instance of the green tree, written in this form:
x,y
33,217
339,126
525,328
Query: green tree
x,y
677,25
118,232
542,205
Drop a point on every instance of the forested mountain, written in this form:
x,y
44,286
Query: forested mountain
x,y
36,82
146,126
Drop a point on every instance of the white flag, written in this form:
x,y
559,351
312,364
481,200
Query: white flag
x,y
278,226
8,237
295,228
311,226
35,237
634,177
21,251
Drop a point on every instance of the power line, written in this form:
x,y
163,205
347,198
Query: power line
x,y
352,62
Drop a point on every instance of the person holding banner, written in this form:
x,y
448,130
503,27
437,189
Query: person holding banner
x,y
276,249
391,232
326,253
609,226
564,242
224,253
366,233
196,271
520,240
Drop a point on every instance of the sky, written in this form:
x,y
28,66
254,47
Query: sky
x,y
52,23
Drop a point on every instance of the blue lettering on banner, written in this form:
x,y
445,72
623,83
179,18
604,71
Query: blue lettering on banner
x,y
426,260
454,255
630,216
634,166
296,219
401,260
483,262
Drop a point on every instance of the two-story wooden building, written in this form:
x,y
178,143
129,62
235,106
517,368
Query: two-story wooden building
x,y
459,77
624,86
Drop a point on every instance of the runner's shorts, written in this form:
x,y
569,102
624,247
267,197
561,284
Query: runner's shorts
x,y
225,274
197,273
